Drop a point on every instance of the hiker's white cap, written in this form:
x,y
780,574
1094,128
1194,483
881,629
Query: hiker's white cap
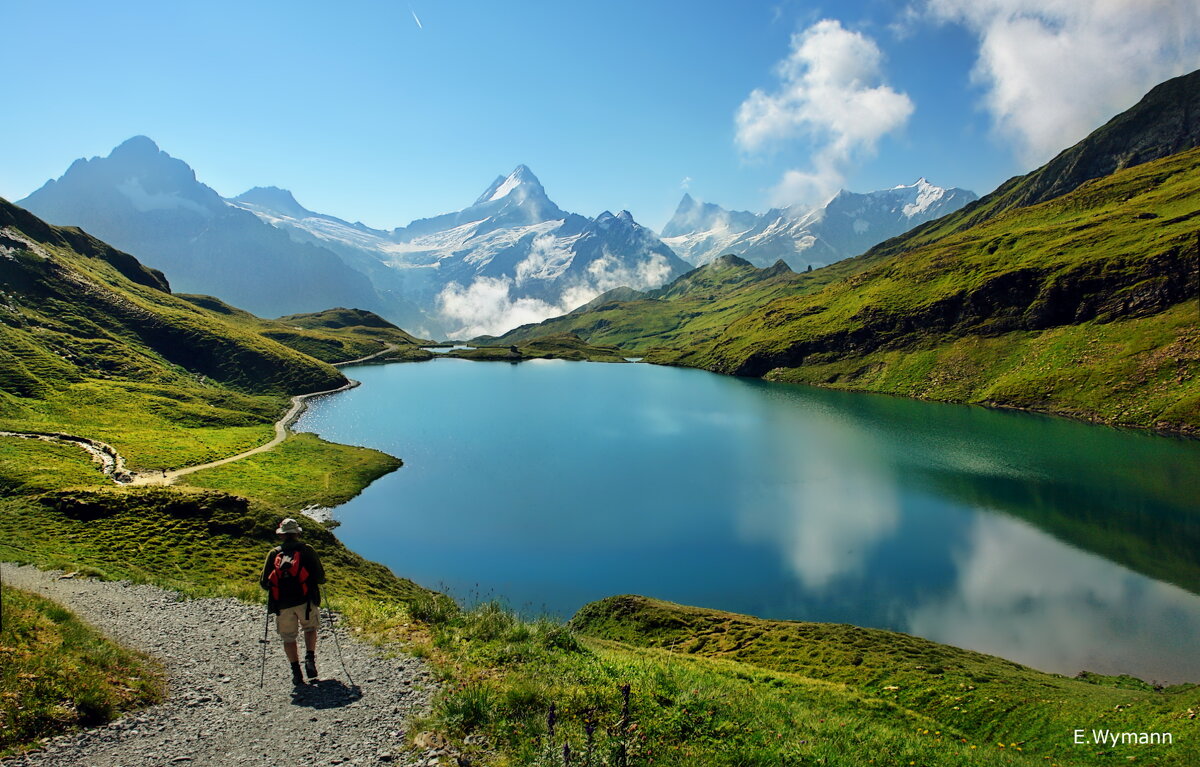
x,y
289,525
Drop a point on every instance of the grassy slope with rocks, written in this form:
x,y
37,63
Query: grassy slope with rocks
x,y
710,688
56,672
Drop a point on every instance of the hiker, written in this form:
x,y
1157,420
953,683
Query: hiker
x,y
292,575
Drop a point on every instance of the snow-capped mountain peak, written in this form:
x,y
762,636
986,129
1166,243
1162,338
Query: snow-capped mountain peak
x,y
521,181
848,224
927,195
693,216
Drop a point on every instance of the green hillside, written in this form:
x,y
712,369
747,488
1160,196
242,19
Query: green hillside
x,y
1082,306
1163,123
1071,290
94,343
58,672
555,346
969,696
334,335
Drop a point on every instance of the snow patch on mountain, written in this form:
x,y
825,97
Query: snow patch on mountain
x,y
927,195
549,256
509,184
144,201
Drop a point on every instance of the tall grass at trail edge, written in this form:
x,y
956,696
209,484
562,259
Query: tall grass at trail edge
x,y
56,672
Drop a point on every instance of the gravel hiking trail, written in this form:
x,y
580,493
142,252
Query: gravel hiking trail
x,y
215,714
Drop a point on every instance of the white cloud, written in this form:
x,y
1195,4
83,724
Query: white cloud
x,y
830,91
608,272
1054,70
494,305
487,306
839,506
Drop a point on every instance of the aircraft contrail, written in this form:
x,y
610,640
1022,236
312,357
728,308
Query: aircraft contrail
x,y
414,13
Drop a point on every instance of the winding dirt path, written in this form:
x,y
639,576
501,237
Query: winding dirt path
x,y
113,464
282,428
388,346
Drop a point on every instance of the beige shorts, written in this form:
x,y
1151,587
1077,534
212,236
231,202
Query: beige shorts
x,y
291,620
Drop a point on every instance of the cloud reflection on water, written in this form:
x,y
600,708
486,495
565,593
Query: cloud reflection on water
x,y
841,503
1027,596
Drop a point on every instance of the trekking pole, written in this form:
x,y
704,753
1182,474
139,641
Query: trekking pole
x,y
337,643
262,669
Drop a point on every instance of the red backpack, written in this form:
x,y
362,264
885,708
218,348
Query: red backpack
x,y
288,577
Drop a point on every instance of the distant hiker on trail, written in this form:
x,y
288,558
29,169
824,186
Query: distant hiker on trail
x,y
292,575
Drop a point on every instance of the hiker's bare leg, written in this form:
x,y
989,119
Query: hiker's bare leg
x,y
310,640
293,654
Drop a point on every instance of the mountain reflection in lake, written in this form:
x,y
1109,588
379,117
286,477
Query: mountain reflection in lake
x,y
1056,544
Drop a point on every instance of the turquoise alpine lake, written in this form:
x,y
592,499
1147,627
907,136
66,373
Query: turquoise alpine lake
x,y
549,484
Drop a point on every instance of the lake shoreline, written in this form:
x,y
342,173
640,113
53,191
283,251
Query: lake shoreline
x,y
440,575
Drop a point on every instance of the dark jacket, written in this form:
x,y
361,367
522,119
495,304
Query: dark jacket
x,y
316,575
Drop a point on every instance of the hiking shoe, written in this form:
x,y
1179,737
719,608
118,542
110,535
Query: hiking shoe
x,y
310,667
297,678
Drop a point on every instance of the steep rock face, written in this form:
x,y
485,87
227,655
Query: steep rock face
x,y
150,204
515,200
1028,299
514,241
360,247
1165,122
15,220
846,226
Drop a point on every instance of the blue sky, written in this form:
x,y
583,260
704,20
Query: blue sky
x,y
367,114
